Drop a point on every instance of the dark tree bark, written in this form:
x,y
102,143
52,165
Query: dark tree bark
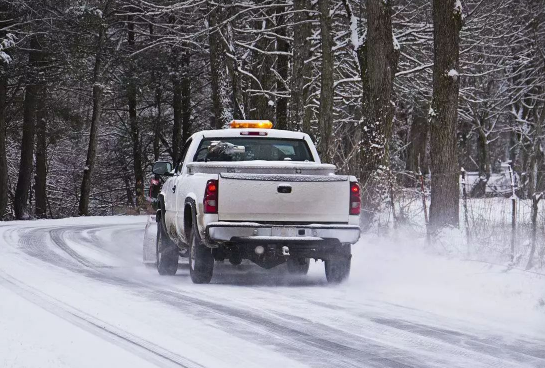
x,y
221,100
177,116
483,159
85,189
3,156
24,181
445,190
327,82
354,135
228,38
535,159
300,70
382,59
158,123
133,120
418,138
379,66
186,97
262,69
181,103
40,187
282,67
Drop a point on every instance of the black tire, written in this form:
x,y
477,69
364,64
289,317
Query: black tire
x,y
298,266
337,269
167,253
201,259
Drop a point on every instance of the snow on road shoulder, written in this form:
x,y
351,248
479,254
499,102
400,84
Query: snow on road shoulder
x,y
402,271
124,306
32,337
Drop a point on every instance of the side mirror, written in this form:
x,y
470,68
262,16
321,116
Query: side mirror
x,y
162,168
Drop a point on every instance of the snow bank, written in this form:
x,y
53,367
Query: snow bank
x,y
404,271
33,337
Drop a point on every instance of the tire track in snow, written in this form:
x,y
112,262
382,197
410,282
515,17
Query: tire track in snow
x,y
533,353
57,236
324,352
515,350
520,350
304,340
360,350
376,337
136,345
33,241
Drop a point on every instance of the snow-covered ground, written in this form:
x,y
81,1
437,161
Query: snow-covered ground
x,y
74,293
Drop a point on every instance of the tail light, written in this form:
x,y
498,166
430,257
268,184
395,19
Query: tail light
x,y
211,197
355,199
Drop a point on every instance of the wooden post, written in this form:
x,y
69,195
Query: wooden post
x,y
466,218
423,190
392,199
535,207
513,212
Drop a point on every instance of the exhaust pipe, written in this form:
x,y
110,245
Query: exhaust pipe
x,y
285,251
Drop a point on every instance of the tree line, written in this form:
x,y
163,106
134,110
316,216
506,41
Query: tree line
x,y
92,92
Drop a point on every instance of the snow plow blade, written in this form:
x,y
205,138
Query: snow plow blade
x,y
150,234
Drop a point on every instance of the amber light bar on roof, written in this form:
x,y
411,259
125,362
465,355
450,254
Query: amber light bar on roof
x,y
260,124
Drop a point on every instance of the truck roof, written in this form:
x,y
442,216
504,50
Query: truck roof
x,y
271,133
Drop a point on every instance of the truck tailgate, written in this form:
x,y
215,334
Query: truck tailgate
x,y
284,198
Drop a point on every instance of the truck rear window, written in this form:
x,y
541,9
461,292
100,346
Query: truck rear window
x,y
263,149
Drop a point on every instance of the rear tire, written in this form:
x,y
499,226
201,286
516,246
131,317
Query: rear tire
x,y
298,266
337,269
167,253
201,259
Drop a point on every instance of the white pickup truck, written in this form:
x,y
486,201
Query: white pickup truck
x,y
252,192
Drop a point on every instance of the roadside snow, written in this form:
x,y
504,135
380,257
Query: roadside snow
x,y
32,337
401,270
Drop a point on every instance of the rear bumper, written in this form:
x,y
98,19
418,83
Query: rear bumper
x,y
255,232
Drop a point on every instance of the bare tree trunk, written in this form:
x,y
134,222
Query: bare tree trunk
x,y
536,155
41,155
221,100
381,62
3,156
327,80
133,122
262,69
157,127
445,191
282,67
354,133
479,190
301,71
85,189
186,96
177,112
158,123
418,138
535,208
21,200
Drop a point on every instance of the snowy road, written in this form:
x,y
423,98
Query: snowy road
x,y
74,293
